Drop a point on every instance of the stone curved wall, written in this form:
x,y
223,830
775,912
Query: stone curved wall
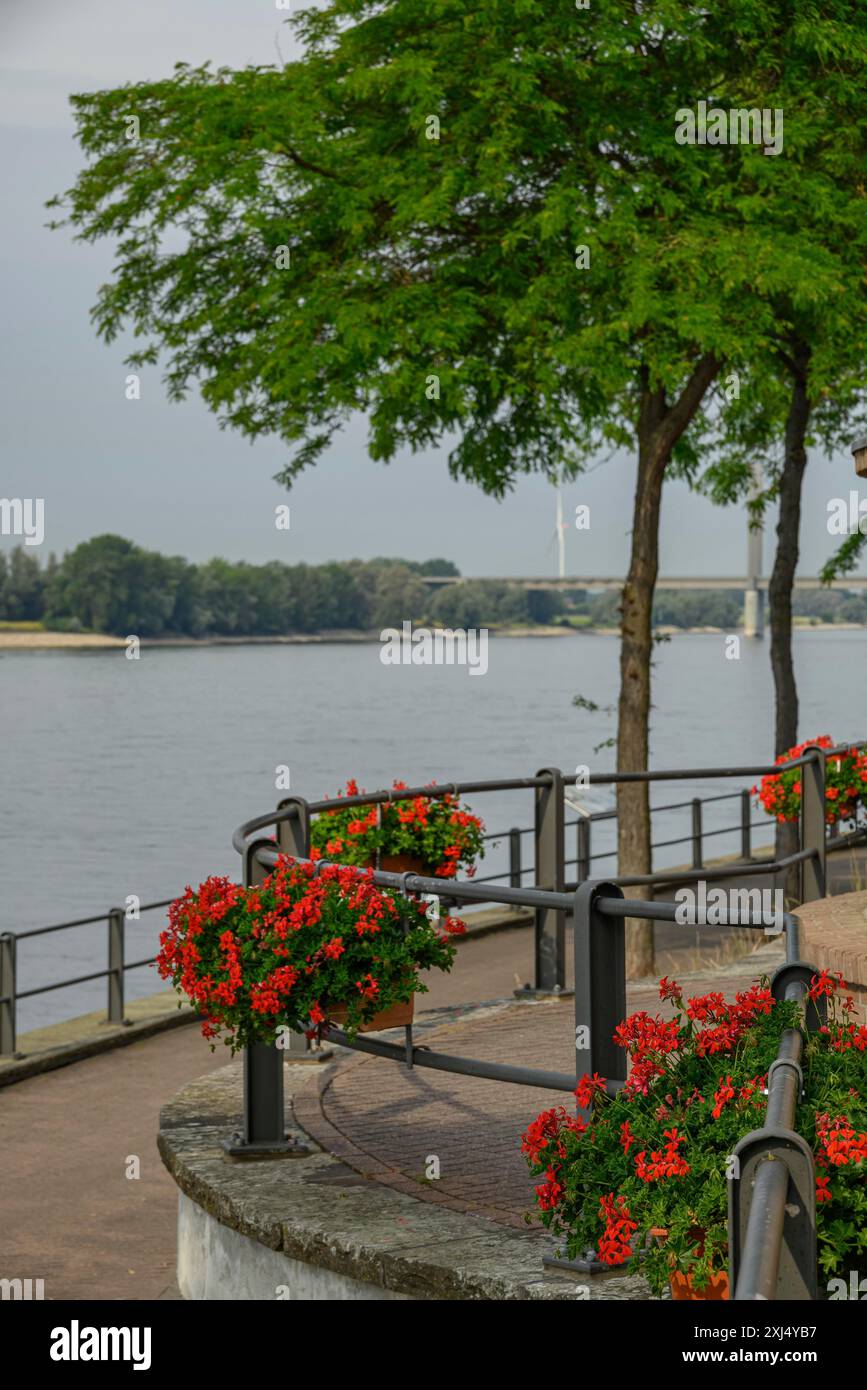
x,y
313,1228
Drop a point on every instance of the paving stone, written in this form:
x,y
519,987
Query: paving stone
x,y
387,1121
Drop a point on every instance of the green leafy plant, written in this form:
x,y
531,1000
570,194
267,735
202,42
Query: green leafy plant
x,y
290,950
655,1156
435,829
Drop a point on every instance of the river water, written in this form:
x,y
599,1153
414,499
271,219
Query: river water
x,y
128,777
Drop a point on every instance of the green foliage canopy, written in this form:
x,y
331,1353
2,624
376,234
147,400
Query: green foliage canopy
x,y
454,257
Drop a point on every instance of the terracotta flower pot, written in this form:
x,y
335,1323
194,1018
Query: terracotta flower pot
x,y
402,864
398,1016
681,1285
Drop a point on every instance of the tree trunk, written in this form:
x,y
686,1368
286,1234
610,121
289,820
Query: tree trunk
x,y
659,427
782,585
633,713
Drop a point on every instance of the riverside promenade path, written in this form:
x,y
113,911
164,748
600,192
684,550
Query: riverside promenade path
x,y
386,1121
70,1216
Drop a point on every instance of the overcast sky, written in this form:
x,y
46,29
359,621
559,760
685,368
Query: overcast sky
x,y
166,475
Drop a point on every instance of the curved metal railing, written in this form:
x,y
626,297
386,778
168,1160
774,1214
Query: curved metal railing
x,y
584,861
764,1247
598,911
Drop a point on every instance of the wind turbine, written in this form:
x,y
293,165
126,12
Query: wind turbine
x,y
559,530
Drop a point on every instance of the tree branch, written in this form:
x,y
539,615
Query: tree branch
x,y
681,413
305,164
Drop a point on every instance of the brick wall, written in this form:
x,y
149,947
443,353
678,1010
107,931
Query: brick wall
x,y
834,937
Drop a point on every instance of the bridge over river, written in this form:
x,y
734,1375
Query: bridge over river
x,y
599,584
753,588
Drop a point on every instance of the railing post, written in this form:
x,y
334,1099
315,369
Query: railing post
x,y
584,841
550,934
600,983
293,835
8,1001
514,857
293,838
264,1128
813,825
263,1063
746,817
116,924
697,861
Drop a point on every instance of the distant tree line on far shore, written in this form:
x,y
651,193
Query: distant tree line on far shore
x,y
111,585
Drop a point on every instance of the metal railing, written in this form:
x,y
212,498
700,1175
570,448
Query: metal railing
x,y
583,828
116,919
598,910
549,865
293,815
772,1191
772,1240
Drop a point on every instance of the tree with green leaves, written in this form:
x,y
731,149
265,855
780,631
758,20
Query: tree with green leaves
x,y
808,389
109,584
468,225
22,586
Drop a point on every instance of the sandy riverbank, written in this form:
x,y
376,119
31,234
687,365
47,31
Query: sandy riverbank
x,y
12,640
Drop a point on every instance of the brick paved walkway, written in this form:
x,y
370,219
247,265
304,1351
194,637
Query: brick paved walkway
x,y
68,1212
386,1121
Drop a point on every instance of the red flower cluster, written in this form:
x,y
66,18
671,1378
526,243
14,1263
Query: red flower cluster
x,y
549,1193
643,1034
825,983
286,951
728,1021
587,1088
269,997
664,1163
845,783
615,1246
658,1146
627,1138
839,1143
753,1087
846,1036
434,829
724,1092
544,1135
543,1141
648,1040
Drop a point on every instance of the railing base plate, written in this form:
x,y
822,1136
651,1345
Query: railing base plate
x,y
553,1265
529,992
237,1150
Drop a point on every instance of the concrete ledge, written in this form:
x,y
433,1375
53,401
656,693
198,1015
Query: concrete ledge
x,y
313,1228
217,1263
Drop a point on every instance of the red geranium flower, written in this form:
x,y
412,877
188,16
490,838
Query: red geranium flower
x,y
587,1088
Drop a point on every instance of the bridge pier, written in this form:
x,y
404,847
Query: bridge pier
x,y
754,613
